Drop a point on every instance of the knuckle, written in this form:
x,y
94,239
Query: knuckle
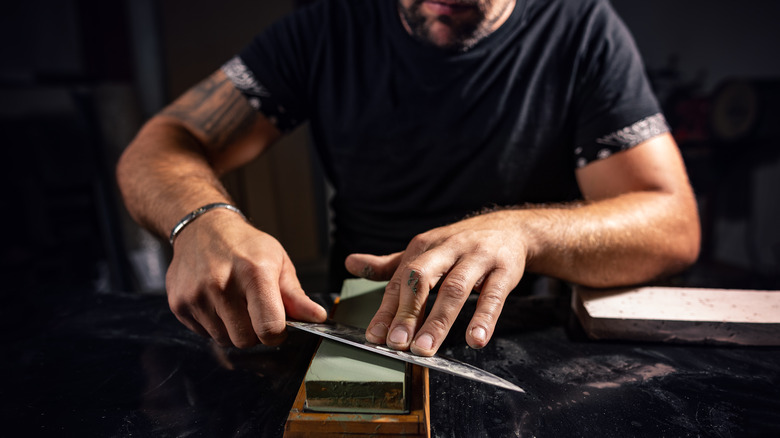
x,y
213,281
439,324
269,330
405,314
241,345
245,341
179,307
183,302
500,282
415,277
219,336
213,293
481,250
464,239
223,341
455,286
243,267
384,315
393,287
252,272
491,300
421,242
255,276
415,268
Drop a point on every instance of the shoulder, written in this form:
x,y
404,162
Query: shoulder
x,y
569,22
567,10
577,15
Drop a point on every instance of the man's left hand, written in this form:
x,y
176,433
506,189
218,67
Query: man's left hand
x,y
477,254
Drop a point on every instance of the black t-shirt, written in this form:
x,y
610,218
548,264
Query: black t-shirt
x,y
412,137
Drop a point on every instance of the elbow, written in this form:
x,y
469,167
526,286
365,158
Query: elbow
x,y
679,252
121,171
681,238
687,239
126,171
692,250
673,252
127,179
686,247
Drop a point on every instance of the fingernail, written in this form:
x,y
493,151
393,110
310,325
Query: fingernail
x,y
379,331
425,341
399,336
479,334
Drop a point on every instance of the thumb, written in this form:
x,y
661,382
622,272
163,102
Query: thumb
x,y
373,267
297,304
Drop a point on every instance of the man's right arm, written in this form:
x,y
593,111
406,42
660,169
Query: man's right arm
x,y
173,164
227,280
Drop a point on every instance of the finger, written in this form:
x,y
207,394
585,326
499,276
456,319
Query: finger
x,y
417,277
193,325
297,304
212,323
232,311
495,288
373,267
264,303
378,327
198,315
453,292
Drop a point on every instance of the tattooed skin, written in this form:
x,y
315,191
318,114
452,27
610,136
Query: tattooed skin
x,y
219,124
414,280
367,272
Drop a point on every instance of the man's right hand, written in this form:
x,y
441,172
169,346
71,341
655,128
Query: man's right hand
x,y
235,284
228,280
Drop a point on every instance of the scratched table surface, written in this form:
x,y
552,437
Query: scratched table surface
x,y
120,365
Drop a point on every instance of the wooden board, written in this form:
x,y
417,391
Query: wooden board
x,y
350,392
727,316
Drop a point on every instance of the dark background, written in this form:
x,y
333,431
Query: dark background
x,y
78,77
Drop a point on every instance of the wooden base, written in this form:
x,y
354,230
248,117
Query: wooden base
x,y
339,424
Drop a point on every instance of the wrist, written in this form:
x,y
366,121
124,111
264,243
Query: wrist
x,y
198,213
524,227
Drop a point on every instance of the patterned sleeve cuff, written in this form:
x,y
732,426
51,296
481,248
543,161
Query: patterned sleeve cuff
x,y
621,140
258,96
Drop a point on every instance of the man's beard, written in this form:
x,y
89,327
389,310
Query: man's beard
x,y
465,34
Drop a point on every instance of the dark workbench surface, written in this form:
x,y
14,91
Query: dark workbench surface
x,y
118,365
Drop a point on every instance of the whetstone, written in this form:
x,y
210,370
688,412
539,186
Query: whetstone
x,y
360,300
669,314
345,379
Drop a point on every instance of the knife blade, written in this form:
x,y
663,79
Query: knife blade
x,y
356,337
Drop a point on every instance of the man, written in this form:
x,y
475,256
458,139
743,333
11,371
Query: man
x,y
472,141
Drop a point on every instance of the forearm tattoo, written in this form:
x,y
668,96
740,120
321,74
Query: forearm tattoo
x,y
214,109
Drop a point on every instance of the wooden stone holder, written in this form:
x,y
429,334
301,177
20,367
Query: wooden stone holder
x,y
341,422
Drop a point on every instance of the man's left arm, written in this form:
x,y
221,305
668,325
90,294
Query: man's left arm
x,y
638,221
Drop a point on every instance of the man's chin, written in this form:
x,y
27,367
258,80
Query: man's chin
x,y
447,32
444,38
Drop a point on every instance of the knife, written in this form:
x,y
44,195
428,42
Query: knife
x,y
356,337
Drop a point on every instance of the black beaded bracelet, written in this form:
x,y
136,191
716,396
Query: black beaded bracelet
x,y
197,212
